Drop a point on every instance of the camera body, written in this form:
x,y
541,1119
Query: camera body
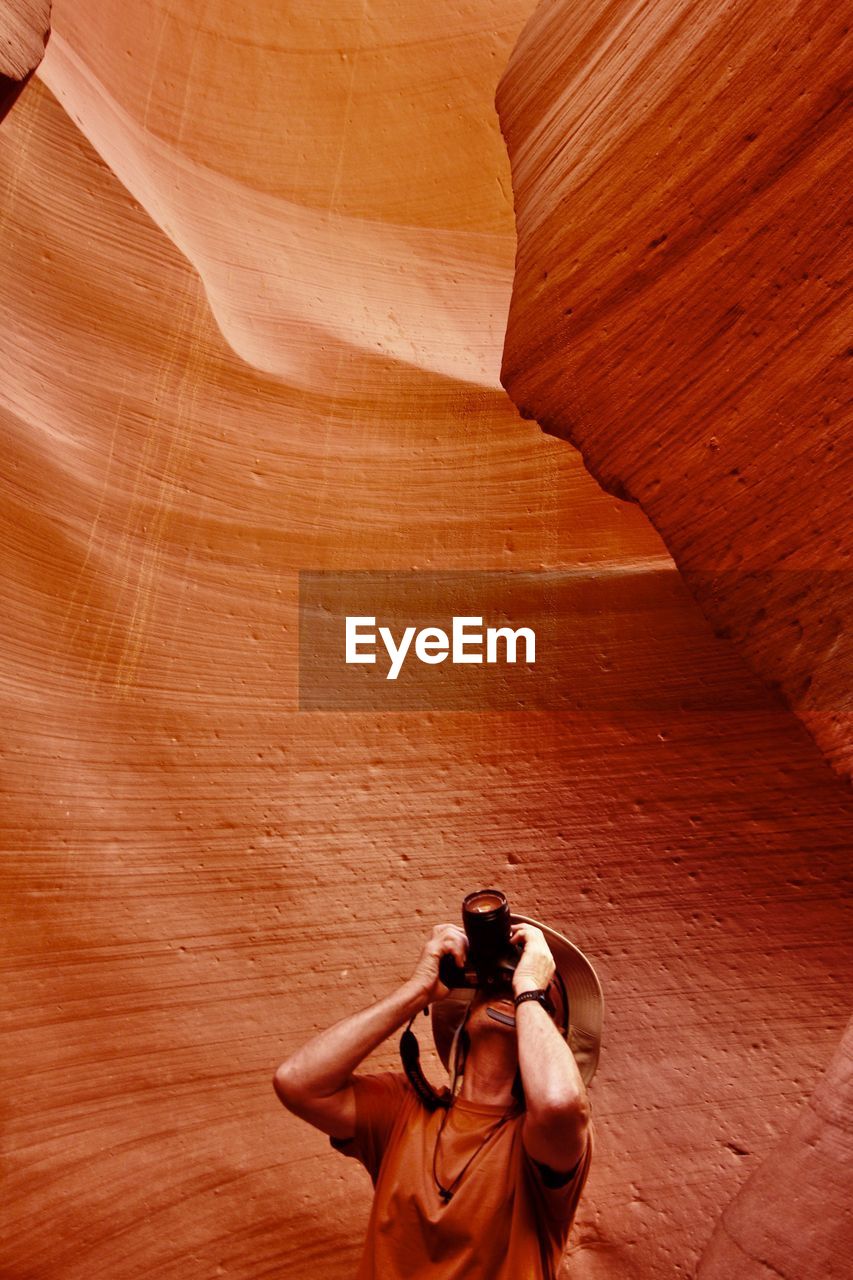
x,y
492,958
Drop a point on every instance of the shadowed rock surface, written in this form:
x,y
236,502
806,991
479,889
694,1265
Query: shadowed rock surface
x,y
679,300
24,28
253,283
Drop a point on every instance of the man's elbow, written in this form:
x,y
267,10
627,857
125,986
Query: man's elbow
x,y
566,1112
557,1134
288,1087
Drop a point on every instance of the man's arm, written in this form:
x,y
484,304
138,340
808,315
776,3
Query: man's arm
x,y
315,1083
557,1107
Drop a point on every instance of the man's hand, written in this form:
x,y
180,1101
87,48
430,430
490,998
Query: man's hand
x,y
445,940
536,967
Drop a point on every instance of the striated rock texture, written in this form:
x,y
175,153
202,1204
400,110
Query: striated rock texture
x,y
794,1217
24,28
678,303
254,274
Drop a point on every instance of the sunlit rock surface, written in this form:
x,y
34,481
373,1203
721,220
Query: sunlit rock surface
x,y
24,28
253,285
678,308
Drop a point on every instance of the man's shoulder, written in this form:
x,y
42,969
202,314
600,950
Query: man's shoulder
x,y
381,1095
383,1081
382,1101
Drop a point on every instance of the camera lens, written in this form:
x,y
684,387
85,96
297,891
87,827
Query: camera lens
x,y
485,915
483,901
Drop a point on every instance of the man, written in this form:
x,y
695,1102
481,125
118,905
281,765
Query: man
x,y
485,1185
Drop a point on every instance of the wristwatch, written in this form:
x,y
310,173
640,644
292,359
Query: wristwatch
x,y
540,995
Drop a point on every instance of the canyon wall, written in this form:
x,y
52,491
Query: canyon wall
x,y
256,268
679,302
24,29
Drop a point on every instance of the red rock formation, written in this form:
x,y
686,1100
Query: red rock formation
x,y
677,313
806,1184
215,376
24,28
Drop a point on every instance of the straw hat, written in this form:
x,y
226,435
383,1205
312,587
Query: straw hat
x,y
586,1004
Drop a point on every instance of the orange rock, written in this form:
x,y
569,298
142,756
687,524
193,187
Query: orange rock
x,y
679,182
24,29
253,297
804,1187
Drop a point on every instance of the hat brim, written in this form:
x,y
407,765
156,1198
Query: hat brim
x,y
586,1003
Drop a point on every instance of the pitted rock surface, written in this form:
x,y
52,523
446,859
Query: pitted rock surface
x,y
677,308
254,276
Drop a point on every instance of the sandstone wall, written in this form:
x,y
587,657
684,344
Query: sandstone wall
x,y
679,301
255,274
24,29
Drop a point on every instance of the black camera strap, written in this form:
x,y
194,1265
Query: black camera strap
x,y
410,1054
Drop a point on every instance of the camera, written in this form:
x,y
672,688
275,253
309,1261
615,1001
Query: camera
x,y
492,958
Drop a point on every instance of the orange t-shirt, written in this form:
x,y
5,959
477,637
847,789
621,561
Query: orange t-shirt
x,y
503,1223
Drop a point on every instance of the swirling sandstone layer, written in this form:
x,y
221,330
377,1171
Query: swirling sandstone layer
x,y
24,28
678,306
253,282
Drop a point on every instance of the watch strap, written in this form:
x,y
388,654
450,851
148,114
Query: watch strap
x,y
540,996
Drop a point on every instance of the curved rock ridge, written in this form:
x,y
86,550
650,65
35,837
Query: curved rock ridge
x,y
197,871
809,1179
677,308
24,30
329,186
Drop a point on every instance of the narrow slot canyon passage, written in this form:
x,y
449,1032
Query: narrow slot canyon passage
x,y
256,273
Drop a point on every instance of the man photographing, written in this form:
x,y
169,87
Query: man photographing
x,y
480,1181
